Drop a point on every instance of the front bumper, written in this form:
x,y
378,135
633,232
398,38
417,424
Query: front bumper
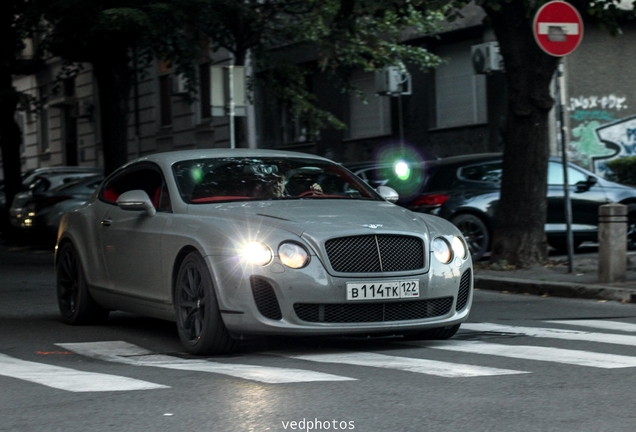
x,y
276,300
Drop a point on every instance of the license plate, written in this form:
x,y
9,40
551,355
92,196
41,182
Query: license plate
x,y
383,290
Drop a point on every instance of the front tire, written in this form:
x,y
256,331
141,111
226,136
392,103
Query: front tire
x,y
199,322
76,305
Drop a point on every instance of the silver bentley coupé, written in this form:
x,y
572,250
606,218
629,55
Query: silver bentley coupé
x,y
228,243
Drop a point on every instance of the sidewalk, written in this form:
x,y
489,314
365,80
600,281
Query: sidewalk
x,y
554,279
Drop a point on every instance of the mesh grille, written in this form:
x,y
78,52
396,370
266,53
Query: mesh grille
x,y
464,290
373,312
265,299
375,253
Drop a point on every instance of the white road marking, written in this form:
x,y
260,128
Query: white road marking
x,y
556,355
423,366
69,379
124,352
599,324
552,333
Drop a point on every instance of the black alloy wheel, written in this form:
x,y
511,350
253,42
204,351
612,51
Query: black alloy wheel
x,y
74,301
475,232
199,322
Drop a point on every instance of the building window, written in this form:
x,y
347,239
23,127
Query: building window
x,y
295,129
43,119
372,116
165,92
460,94
204,90
21,120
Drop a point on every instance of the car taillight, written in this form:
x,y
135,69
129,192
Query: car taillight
x,y
430,200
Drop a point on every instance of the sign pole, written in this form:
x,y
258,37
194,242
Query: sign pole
x,y
558,30
564,157
230,104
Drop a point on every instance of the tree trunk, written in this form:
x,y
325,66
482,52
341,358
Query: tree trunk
x,y
519,236
10,144
114,80
9,130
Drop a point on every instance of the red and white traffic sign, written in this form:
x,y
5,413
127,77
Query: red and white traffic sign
x,y
558,28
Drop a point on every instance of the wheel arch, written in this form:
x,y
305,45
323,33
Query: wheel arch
x,y
184,252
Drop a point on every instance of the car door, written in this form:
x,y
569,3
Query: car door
x,y
131,239
585,197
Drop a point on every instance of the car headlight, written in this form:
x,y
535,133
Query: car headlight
x,y
257,253
293,255
459,248
442,250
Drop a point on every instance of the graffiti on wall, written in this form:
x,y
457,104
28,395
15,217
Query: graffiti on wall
x,y
599,132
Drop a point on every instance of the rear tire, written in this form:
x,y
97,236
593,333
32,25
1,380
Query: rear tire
x,y
475,232
76,305
440,333
199,322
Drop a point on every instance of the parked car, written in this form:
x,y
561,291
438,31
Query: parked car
x,y
465,191
247,242
42,211
37,207
31,175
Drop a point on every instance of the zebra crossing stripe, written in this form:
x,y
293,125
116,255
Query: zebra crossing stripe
x,y
423,366
526,352
69,379
599,324
127,353
574,335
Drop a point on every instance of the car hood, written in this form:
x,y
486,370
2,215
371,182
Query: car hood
x,y
318,218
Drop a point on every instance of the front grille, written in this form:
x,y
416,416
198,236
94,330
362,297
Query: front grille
x,y
265,299
375,253
373,312
464,290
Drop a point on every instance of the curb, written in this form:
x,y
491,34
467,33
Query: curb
x,y
556,289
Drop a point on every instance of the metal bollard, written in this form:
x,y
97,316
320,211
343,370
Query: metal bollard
x,y
612,242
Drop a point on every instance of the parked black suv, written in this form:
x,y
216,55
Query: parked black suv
x,y
465,190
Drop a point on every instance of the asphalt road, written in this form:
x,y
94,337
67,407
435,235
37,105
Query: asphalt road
x,y
509,369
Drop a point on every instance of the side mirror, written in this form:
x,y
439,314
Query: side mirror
x,y
388,193
584,186
136,200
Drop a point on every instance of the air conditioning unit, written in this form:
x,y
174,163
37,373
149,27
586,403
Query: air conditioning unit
x,y
393,80
179,84
486,58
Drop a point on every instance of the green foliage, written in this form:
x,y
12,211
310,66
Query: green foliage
x,y
341,35
623,170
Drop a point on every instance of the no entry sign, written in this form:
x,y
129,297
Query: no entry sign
x,y
558,28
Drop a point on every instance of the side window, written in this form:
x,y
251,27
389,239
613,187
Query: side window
x,y
147,179
555,175
490,173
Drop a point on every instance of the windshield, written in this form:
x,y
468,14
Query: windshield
x,y
234,179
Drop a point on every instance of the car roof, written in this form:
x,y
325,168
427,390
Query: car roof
x,y
170,158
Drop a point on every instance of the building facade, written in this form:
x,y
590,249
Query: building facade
x,y
451,110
